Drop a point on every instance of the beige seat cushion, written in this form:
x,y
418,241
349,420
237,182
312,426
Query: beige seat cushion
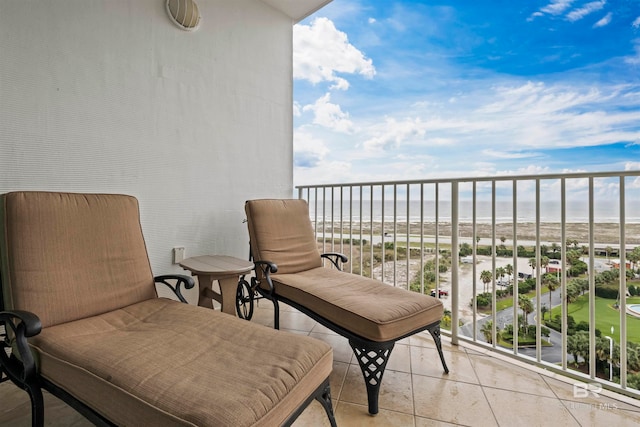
x,y
280,231
367,307
67,256
163,363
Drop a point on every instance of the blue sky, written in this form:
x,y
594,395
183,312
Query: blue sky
x,y
394,90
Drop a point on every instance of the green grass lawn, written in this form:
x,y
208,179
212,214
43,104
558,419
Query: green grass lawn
x,y
507,302
606,316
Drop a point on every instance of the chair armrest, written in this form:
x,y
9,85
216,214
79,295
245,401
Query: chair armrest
x,y
336,258
180,279
18,326
266,268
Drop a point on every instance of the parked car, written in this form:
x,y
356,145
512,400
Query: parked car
x,y
441,293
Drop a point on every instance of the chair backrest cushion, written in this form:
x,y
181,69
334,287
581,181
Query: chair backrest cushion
x,y
67,256
280,231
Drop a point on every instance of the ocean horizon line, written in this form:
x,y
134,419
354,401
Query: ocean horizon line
x,y
526,211
447,220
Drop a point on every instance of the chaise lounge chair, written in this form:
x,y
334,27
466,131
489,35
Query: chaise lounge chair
x,y
369,313
83,321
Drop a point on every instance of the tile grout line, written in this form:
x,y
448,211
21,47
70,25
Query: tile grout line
x,y
483,391
413,389
542,377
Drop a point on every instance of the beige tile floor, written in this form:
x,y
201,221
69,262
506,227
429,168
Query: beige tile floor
x,y
482,389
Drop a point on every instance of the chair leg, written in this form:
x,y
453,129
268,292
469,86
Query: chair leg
x,y
435,333
276,309
30,384
325,401
373,361
276,314
37,405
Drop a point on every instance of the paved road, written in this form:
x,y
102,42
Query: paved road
x,y
552,354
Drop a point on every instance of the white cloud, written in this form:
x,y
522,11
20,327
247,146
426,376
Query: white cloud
x,y
606,20
538,99
636,23
320,52
510,122
327,172
632,166
578,14
392,133
491,126
556,7
560,7
500,154
537,115
307,150
329,115
534,15
634,59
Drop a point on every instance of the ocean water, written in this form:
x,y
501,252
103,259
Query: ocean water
x,y
550,211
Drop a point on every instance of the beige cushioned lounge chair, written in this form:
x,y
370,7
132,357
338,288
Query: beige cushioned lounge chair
x,y
77,283
370,313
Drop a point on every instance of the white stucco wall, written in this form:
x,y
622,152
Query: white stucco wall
x,y
110,96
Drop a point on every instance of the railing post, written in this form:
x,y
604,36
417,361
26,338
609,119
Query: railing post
x,y
592,286
454,262
538,307
622,308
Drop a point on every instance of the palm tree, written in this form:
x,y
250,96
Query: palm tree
x,y
583,285
578,345
533,264
572,242
573,291
525,304
555,247
544,310
634,255
486,277
604,354
544,262
573,256
500,273
633,357
551,282
608,250
487,331
509,270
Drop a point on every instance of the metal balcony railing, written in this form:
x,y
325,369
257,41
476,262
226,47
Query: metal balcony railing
x,y
539,267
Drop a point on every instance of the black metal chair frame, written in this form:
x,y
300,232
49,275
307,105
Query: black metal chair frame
x,y
24,374
372,355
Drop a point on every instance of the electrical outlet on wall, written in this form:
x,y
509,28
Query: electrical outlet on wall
x,y
178,254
